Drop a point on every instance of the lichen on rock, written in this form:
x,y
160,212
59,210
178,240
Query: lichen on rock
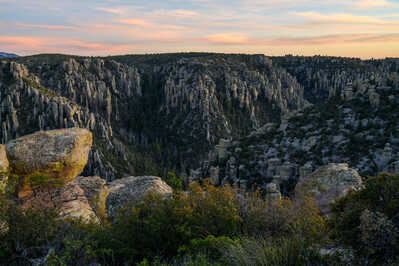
x,y
132,190
55,156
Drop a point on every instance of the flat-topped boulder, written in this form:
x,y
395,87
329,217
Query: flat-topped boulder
x,y
55,156
329,183
131,190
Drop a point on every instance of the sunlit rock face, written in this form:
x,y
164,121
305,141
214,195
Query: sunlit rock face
x,y
56,156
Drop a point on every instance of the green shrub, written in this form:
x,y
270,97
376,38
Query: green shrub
x,y
173,181
210,246
353,216
285,251
158,227
25,233
378,234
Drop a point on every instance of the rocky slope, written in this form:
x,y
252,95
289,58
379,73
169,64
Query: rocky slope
x,y
149,114
153,113
359,127
324,77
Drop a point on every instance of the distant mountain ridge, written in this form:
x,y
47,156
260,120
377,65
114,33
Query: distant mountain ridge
x,y
152,113
2,54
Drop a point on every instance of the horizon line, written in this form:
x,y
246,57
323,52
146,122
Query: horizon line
x,y
193,52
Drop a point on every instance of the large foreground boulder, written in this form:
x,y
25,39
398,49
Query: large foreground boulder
x,y
55,156
80,198
329,183
131,190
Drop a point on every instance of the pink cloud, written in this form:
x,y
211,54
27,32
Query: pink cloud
x,y
16,40
46,27
28,45
228,38
184,13
137,22
342,18
241,39
110,10
366,4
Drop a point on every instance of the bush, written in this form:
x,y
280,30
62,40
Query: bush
x,y
363,219
378,234
158,227
173,181
25,234
285,251
41,236
196,227
281,218
212,247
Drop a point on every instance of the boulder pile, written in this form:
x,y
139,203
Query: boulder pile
x,y
44,168
42,171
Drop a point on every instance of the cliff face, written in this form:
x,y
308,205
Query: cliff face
x,y
144,113
325,77
42,95
359,127
150,113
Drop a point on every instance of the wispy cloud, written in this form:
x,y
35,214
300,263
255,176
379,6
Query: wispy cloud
x,y
111,26
135,21
64,45
228,38
343,18
366,4
241,39
46,27
110,10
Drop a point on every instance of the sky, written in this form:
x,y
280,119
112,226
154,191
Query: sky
x,y
358,28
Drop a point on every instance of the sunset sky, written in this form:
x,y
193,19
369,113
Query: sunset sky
x,y
362,28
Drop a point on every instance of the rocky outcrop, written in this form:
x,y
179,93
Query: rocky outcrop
x,y
352,131
96,192
329,183
3,167
55,156
70,200
3,160
131,190
273,192
46,165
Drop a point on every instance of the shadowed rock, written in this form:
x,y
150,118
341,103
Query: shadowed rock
x,y
328,183
95,191
70,200
131,190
